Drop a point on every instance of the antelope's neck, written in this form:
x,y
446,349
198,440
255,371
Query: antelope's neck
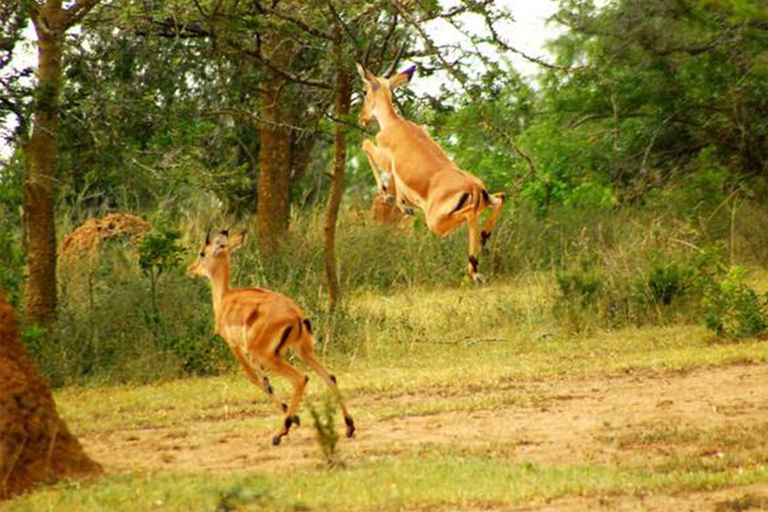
x,y
386,115
219,288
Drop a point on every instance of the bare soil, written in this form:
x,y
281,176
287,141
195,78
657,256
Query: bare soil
x,y
642,417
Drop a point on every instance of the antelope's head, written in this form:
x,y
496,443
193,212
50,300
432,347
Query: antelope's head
x,y
378,91
215,253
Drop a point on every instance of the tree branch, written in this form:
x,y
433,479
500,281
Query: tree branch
x,y
259,56
294,20
78,11
257,121
496,40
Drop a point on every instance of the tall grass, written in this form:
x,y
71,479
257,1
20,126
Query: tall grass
x,y
599,269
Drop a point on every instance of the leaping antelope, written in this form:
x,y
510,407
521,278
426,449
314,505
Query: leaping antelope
x,y
424,175
259,325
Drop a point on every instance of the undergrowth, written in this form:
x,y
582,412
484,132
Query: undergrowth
x,y
122,319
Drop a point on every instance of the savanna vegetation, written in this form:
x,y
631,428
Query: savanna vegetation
x,y
633,245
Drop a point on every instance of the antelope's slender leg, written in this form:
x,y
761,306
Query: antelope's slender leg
x,y
400,199
474,249
258,378
299,381
307,354
497,201
370,152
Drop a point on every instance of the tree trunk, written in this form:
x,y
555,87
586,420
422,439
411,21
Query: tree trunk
x,y
343,98
42,155
274,194
35,444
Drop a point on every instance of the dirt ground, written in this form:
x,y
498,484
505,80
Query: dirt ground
x,y
563,421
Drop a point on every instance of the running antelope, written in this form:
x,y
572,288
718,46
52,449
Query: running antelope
x,y
423,174
259,325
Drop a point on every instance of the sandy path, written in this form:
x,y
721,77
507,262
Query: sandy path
x,y
569,420
566,421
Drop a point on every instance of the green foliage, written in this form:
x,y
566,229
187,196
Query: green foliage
x,y
656,285
661,287
11,254
160,252
650,102
108,330
11,267
733,309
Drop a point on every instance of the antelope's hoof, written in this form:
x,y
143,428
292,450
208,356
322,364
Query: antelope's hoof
x,y
296,420
350,426
486,250
478,278
276,439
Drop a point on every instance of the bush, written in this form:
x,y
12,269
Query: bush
x,y
667,282
644,285
734,310
110,330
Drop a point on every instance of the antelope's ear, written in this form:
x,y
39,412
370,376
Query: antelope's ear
x,y
236,241
367,77
361,72
402,78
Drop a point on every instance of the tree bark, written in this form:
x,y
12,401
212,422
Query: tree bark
x,y
274,189
342,104
42,155
35,444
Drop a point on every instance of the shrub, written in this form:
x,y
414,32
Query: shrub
x,y
734,310
109,329
667,282
159,253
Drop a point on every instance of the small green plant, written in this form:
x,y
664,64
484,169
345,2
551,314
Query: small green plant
x,y
159,252
324,422
733,309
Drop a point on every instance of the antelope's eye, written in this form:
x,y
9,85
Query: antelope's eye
x,y
202,254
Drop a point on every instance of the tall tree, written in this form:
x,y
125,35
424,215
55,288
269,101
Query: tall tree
x,y
342,94
51,22
666,84
274,191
